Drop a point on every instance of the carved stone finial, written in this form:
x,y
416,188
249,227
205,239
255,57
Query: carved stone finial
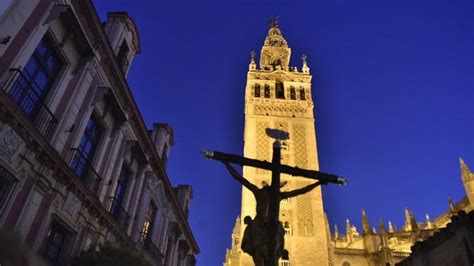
x,y
252,56
451,204
304,58
365,223
429,225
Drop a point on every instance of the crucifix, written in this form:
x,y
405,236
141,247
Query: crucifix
x,y
264,235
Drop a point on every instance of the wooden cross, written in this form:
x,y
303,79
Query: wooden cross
x,y
276,168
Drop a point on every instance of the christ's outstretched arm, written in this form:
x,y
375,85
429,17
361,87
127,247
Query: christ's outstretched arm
x,y
296,192
240,178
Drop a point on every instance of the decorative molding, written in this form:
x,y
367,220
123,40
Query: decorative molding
x,y
279,110
72,205
11,144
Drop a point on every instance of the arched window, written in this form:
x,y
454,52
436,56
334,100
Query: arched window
x,y
257,90
345,263
267,91
280,90
292,93
302,94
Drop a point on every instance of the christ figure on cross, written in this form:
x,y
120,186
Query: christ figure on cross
x,y
256,234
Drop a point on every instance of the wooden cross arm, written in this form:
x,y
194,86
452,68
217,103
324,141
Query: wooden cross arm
x,y
323,178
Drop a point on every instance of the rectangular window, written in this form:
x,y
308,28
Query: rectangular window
x,y
302,95
164,155
37,78
120,190
257,91
87,147
58,243
267,91
280,90
122,56
7,185
292,93
148,223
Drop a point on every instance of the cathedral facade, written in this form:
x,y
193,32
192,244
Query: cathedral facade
x,y
278,95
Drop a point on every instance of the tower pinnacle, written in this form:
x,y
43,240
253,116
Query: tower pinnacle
x,y
275,52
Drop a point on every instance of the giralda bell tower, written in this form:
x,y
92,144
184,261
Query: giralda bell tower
x,y
278,95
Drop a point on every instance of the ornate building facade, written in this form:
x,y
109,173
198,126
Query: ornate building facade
x,y
278,95
78,167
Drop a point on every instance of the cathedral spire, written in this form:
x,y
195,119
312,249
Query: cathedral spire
x,y
429,225
466,174
408,223
365,223
348,231
468,180
451,204
390,227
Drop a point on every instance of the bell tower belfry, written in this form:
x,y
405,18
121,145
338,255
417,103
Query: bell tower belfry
x,y
278,95
275,51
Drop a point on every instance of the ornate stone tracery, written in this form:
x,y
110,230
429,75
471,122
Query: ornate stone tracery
x,y
279,110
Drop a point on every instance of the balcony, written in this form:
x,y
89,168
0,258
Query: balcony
x,y
25,94
118,212
153,251
83,169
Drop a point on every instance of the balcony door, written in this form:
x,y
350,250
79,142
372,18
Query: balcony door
x,y
120,191
37,78
87,147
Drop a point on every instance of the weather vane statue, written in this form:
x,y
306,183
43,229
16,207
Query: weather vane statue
x,y
273,22
264,234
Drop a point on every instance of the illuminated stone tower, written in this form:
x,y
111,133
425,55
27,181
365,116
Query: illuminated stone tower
x,y
278,95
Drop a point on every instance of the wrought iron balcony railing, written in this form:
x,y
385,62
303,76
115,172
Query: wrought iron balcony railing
x,y
153,250
25,94
83,169
119,213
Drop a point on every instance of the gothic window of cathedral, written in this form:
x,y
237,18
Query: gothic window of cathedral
x,y
302,94
292,93
267,91
257,90
280,90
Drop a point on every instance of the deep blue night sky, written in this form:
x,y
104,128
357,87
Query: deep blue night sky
x,y
392,86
